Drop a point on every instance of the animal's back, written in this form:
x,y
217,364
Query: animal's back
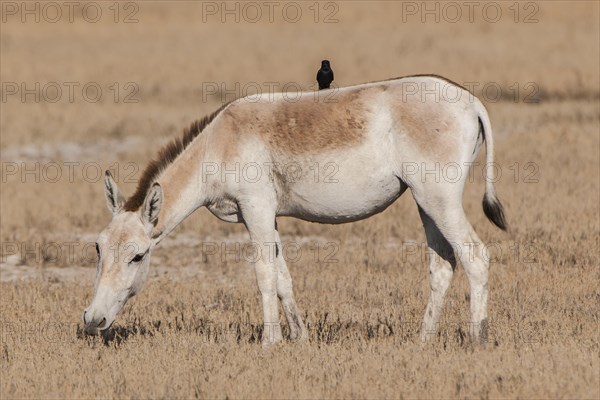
x,y
314,122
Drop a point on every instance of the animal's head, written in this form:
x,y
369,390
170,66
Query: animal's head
x,y
124,249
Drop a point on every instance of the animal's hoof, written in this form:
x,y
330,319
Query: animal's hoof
x,y
269,344
301,337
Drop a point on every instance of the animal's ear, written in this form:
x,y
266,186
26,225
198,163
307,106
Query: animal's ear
x,y
152,204
114,198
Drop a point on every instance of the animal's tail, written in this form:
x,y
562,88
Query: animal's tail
x,y
491,204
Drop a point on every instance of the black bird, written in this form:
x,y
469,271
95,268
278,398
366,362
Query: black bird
x,y
325,75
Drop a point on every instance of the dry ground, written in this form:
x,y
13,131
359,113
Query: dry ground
x,y
193,330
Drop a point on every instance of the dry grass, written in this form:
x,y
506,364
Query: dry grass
x,y
193,330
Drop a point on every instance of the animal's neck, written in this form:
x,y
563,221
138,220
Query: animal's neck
x,y
183,189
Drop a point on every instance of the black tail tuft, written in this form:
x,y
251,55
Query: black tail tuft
x,y
494,211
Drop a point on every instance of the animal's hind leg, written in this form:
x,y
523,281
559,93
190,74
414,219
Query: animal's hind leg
x,y
476,265
442,263
286,295
448,215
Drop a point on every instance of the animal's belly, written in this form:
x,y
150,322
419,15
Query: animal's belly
x,y
346,200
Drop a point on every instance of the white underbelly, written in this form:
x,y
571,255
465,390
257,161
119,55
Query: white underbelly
x,y
346,185
355,191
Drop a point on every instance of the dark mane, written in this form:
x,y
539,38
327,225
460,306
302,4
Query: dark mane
x,y
166,156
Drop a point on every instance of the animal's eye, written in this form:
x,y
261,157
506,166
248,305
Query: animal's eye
x,y
138,257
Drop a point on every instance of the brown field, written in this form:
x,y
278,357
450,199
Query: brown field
x,y
194,331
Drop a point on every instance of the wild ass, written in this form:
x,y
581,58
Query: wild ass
x,y
382,138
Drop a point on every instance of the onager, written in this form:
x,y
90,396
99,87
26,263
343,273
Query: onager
x,y
381,138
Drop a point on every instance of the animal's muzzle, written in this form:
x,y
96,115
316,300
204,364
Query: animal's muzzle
x,y
93,325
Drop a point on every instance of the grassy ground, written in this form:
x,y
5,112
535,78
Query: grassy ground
x,y
193,330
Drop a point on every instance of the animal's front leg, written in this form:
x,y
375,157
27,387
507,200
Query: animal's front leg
x,y
266,277
260,222
286,295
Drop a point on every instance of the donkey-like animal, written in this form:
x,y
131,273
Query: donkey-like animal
x,y
380,138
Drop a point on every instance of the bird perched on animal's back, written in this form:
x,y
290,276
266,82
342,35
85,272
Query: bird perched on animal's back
x,y
325,75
